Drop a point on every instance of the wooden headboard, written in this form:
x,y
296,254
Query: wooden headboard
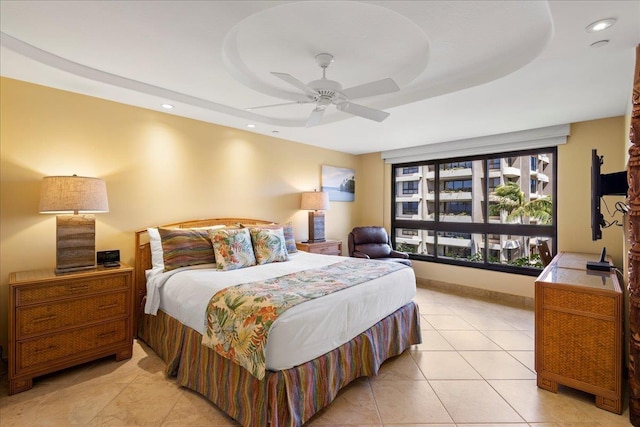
x,y
143,251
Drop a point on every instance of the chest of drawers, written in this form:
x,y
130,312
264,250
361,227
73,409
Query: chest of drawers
x,y
58,321
579,329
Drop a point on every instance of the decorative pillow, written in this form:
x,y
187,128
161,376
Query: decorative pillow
x,y
289,238
155,242
268,245
185,246
232,248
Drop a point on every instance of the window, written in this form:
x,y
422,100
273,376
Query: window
x,y
410,208
493,183
410,187
485,211
457,185
457,165
456,208
410,170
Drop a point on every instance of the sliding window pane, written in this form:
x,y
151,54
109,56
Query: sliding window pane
x,y
460,191
460,246
523,196
410,240
514,250
409,189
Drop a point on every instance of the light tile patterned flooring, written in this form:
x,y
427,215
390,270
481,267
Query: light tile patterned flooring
x,y
474,368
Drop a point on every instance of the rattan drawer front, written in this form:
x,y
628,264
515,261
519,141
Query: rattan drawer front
x,y
580,347
580,301
43,318
59,346
327,250
34,294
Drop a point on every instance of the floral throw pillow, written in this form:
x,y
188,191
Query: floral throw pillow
x,y
269,245
232,248
287,229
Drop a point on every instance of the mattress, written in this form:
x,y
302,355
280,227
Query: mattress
x,y
301,333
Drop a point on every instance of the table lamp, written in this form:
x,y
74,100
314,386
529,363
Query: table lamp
x,y
75,232
315,202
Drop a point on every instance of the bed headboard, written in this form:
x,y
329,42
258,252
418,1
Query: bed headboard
x,y
143,251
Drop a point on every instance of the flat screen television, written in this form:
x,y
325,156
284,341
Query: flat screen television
x,y
610,184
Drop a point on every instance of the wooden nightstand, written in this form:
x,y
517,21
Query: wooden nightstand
x,y
328,247
58,321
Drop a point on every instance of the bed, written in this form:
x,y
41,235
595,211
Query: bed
x,y
296,384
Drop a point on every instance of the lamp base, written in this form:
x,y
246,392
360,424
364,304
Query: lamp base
x,y
316,227
74,269
75,243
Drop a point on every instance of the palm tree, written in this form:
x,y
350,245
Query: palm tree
x,y
510,199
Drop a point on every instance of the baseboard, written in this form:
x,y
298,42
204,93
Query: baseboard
x,y
468,291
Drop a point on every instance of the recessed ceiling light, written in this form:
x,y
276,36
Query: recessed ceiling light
x,y
600,25
600,43
251,126
167,106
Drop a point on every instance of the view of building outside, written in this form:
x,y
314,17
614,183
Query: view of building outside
x,y
520,191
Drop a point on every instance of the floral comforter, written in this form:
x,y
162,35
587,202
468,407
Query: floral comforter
x,y
239,317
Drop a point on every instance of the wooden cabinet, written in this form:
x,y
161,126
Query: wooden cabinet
x,y
58,321
578,336
328,247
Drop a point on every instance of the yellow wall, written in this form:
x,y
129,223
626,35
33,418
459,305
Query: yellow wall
x,y
574,221
574,204
158,168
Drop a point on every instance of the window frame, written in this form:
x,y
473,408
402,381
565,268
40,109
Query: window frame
x,y
485,228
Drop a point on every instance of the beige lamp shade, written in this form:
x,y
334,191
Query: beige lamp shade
x,y
64,194
315,201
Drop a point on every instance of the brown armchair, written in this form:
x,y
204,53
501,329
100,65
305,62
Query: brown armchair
x,y
374,243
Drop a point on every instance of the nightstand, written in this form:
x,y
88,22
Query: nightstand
x,y
328,247
61,320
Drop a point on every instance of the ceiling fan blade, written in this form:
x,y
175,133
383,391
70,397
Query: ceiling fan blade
x,y
277,105
378,87
294,82
362,111
315,117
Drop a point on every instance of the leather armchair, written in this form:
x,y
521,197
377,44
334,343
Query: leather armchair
x,y
374,243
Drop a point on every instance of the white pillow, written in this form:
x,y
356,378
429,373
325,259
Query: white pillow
x,y
157,261
155,242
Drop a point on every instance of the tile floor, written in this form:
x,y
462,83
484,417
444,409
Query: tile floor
x,y
474,368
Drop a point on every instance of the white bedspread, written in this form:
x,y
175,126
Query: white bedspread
x,y
303,332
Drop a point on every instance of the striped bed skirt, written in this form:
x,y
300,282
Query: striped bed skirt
x,y
281,398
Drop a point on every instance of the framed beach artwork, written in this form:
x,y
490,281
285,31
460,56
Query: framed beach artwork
x,y
340,183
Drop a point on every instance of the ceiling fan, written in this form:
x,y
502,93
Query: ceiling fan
x,y
325,92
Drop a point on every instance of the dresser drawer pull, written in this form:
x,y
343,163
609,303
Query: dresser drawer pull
x,y
44,319
42,350
104,307
78,288
106,334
